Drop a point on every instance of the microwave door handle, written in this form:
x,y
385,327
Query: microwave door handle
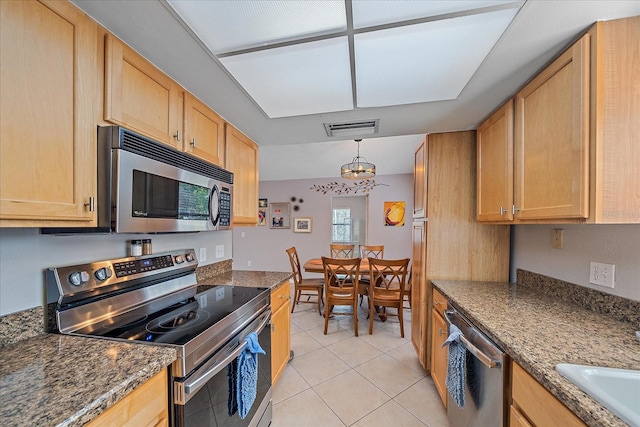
x,y
214,205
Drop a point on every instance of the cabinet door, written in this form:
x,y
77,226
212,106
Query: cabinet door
x,y
147,405
138,96
552,139
419,293
495,166
420,181
48,62
280,337
203,131
242,160
439,354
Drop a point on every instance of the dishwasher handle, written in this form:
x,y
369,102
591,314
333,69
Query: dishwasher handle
x,y
477,353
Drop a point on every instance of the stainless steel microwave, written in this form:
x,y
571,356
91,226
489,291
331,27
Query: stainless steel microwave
x,y
148,187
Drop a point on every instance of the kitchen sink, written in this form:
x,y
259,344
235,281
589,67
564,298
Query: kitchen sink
x,y
616,389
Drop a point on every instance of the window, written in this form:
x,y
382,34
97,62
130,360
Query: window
x,y
341,225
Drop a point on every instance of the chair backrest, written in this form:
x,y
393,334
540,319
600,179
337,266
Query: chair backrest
x,y
388,276
295,265
341,251
372,251
341,274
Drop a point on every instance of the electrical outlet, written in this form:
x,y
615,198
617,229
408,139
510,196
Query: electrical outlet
x,y
557,238
219,251
203,255
602,274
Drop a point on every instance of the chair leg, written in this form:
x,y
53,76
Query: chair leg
x,y
319,303
371,316
355,317
326,318
401,319
296,298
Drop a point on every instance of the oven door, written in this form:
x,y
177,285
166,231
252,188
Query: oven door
x,y
203,399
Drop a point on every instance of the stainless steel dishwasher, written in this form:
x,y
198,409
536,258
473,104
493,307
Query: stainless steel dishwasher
x,y
484,387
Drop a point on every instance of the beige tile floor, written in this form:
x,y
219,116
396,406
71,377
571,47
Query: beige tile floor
x,y
342,380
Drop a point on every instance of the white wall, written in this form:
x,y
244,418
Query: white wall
x,y
25,255
265,247
583,243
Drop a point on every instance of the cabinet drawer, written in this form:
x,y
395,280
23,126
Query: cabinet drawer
x,y
537,404
279,296
516,419
439,302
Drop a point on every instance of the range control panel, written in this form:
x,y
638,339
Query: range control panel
x,y
72,282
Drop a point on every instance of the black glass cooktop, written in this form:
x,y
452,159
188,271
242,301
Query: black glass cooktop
x,y
181,322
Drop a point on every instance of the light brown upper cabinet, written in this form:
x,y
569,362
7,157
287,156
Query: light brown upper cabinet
x,y
139,96
47,127
204,131
242,160
495,165
576,151
552,139
420,181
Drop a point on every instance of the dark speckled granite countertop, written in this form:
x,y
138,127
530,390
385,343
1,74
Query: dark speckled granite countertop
x,y
540,331
62,380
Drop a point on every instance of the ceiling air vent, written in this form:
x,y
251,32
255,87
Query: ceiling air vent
x,y
363,127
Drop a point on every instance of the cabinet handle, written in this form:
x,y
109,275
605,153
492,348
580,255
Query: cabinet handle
x,y
177,135
437,303
193,142
514,209
273,327
502,211
91,205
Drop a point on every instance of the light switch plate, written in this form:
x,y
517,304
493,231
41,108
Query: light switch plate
x,y
219,251
203,255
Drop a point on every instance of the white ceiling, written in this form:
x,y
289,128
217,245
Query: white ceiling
x,y
297,146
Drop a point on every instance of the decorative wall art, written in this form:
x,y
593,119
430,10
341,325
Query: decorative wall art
x,y
262,212
394,214
279,216
363,186
296,207
302,225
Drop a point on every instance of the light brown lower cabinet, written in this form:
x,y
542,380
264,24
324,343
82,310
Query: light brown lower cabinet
x,y
147,405
280,330
439,355
532,405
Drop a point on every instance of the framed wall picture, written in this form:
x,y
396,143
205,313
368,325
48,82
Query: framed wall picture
x,y
279,215
394,214
302,225
262,216
262,203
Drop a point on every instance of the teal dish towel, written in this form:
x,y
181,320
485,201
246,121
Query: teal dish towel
x,y
456,366
247,376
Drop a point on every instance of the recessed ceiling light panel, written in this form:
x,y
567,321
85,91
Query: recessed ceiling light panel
x,y
380,12
302,79
228,25
424,62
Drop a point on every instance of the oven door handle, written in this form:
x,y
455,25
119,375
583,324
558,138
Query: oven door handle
x,y
201,379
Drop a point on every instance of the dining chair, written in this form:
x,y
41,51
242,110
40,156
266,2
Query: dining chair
x,y
388,282
368,251
307,287
341,287
341,251
407,289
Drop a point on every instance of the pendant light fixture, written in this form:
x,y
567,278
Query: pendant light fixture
x,y
359,168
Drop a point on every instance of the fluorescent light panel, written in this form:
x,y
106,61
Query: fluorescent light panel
x,y
424,62
295,80
233,25
380,12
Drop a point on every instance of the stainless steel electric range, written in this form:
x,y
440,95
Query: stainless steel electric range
x,y
155,299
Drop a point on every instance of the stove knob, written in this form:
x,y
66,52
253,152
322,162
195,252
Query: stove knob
x,y
190,257
179,259
103,273
78,278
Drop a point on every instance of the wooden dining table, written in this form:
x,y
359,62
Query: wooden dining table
x,y
314,265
